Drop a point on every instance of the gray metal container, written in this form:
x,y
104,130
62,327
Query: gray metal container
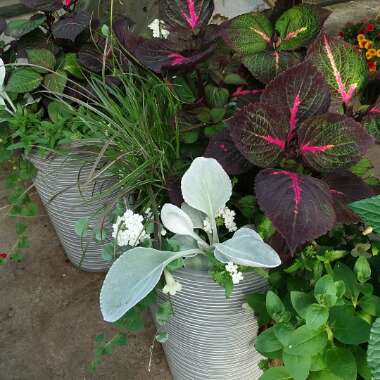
x,y
211,337
67,202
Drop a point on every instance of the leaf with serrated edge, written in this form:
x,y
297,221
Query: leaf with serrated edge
x,y
306,94
374,351
260,133
369,211
132,277
299,206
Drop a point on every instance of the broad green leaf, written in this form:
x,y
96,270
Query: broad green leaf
x,y
18,28
249,33
23,80
343,67
325,291
323,375
247,248
318,362
370,304
374,350
361,362
58,111
306,342
206,186
275,307
257,303
267,342
343,273
276,373
347,327
164,313
72,66
316,316
132,277
283,332
43,58
301,301
298,366
341,362
177,221
362,269
56,82
216,97
266,65
369,211
297,27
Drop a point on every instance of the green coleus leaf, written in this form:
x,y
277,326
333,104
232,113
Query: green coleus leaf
x,y
372,121
267,64
332,141
297,27
344,68
41,57
342,363
249,33
369,211
18,28
23,80
374,351
56,82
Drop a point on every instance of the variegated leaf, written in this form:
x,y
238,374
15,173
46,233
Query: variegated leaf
x,y
260,133
372,121
332,141
344,68
299,92
268,64
182,15
297,27
249,33
300,207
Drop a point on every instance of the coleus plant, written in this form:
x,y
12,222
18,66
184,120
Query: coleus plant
x,y
268,49
303,150
206,188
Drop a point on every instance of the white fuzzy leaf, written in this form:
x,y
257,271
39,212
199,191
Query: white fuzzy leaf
x,y
196,216
247,248
132,277
177,221
206,186
2,74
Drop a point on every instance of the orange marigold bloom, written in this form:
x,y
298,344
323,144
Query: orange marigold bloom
x,y
360,37
368,55
362,44
373,52
378,53
369,45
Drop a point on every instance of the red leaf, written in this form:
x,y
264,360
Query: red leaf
x,y
299,92
332,141
345,188
222,148
300,207
260,133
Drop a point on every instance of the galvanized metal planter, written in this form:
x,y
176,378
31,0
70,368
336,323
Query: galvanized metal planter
x,y
67,202
211,337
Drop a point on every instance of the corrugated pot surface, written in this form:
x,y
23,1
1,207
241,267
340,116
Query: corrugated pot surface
x,y
211,337
67,202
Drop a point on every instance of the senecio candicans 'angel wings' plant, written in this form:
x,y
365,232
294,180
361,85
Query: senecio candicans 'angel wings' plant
x,y
268,49
206,188
292,122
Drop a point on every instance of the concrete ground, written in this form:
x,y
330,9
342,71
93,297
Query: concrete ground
x,y
49,310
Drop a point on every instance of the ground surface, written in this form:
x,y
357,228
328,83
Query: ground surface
x,y
49,313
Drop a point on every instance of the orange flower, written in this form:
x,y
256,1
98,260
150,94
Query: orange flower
x,y
362,44
378,53
368,55
360,37
373,52
368,45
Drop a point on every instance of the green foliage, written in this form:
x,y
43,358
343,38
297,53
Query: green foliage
x,y
369,211
23,80
373,350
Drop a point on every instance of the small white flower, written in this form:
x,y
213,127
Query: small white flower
x,y
368,231
158,31
228,216
163,231
237,277
172,286
129,229
231,268
207,226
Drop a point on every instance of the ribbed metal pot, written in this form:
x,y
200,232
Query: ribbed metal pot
x,y
212,337
67,202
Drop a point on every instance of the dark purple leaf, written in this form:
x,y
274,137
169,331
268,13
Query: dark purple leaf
x,y
299,92
278,243
173,186
160,55
372,121
345,188
127,39
266,65
332,141
185,15
222,148
71,26
90,59
260,133
43,5
300,207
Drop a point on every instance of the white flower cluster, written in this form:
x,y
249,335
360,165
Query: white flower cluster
x,y
232,269
172,286
129,229
158,31
228,217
